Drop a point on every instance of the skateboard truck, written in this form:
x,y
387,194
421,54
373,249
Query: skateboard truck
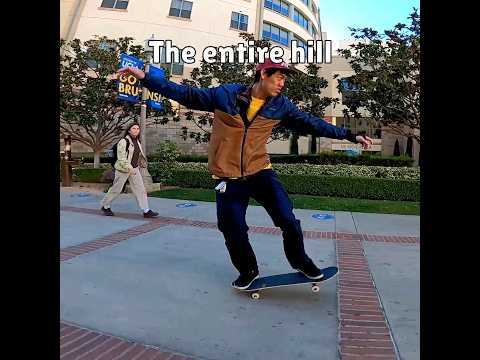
x,y
255,295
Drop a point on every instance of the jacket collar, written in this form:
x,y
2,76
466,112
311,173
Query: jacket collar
x,y
245,97
139,144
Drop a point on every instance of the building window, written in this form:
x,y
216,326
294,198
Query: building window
x,y
305,2
278,5
300,42
105,45
173,68
347,86
314,32
361,126
275,34
181,8
347,89
114,4
176,69
239,21
300,19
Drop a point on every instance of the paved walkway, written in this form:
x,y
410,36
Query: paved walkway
x,y
133,288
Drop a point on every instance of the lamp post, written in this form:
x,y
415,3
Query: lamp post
x,y
67,162
147,178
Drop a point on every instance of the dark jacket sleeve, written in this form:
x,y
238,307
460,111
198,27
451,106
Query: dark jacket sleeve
x,y
307,124
194,98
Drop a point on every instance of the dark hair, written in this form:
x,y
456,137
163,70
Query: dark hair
x,y
270,72
129,127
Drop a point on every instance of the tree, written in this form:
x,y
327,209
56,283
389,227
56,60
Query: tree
x,y
302,89
386,83
89,110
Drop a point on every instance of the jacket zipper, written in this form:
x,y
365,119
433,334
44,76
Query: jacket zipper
x,y
241,154
247,124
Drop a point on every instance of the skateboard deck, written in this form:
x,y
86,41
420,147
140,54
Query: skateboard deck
x,y
288,279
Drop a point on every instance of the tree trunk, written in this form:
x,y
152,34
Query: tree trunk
x,y
96,159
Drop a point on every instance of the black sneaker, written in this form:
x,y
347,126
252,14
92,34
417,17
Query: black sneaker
x,y
107,212
244,281
150,214
311,271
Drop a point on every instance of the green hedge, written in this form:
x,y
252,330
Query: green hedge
x,y
333,158
193,158
353,187
88,175
321,185
398,173
87,158
323,158
348,187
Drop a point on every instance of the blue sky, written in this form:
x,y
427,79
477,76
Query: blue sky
x,y
338,15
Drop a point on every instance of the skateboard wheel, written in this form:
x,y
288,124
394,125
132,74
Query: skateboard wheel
x,y
255,296
315,288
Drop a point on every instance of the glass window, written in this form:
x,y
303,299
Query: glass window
x,y
285,9
277,5
276,34
115,4
181,8
239,21
267,31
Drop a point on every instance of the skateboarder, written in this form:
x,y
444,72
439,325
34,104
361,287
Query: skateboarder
x,y
244,117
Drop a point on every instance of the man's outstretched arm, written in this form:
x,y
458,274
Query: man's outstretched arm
x,y
194,98
305,123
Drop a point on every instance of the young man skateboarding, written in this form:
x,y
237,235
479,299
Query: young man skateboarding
x,y
244,117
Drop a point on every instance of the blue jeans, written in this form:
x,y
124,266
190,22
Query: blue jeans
x,y
266,189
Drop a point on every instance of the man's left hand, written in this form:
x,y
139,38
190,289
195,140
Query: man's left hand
x,y
365,141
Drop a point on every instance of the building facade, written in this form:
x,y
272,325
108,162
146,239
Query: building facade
x,y
202,23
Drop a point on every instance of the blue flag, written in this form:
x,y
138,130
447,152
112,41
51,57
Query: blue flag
x,y
129,86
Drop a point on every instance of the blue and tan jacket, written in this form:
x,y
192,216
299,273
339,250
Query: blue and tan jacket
x,y
238,147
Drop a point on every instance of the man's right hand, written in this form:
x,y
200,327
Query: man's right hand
x,y
130,70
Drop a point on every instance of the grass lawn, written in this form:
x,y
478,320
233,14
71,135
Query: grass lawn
x,y
307,202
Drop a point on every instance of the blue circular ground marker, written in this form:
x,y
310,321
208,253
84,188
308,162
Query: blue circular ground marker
x,y
185,205
80,195
323,216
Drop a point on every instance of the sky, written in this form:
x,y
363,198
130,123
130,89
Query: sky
x,y
337,15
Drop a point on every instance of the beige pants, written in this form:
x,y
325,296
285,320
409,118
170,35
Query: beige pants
x,y
136,184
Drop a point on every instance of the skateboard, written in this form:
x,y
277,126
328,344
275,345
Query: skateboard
x,y
295,278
